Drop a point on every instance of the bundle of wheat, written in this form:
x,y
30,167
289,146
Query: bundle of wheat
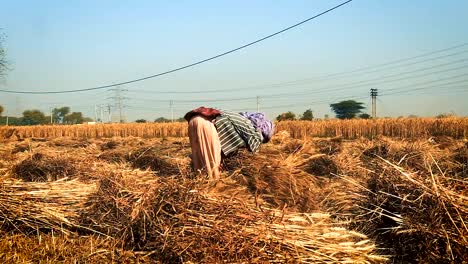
x,y
31,206
59,248
69,142
421,216
148,158
279,181
179,220
40,167
111,144
113,155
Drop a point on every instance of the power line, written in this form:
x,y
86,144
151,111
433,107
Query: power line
x,y
194,101
423,88
374,82
354,97
369,82
344,75
327,76
186,66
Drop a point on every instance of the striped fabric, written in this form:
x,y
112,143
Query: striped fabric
x,y
236,131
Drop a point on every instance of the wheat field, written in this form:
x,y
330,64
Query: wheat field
x,y
357,191
347,129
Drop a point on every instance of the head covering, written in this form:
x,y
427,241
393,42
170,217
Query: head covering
x,y
207,112
260,122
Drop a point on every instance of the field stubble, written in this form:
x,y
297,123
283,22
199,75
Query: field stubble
x,y
313,201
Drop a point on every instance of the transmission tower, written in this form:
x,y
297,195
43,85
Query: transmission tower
x,y
373,93
98,113
118,99
109,113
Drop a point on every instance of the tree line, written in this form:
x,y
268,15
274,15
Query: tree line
x,y
61,115
347,109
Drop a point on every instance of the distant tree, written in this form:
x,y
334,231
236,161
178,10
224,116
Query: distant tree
x,y
286,116
443,115
326,117
58,114
181,119
412,116
33,117
162,120
347,109
308,115
12,121
87,119
74,118
364,116
1,110
140,120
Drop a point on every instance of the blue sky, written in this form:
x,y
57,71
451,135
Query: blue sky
x,y
63,45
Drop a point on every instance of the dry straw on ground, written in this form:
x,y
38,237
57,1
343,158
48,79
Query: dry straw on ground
x,y
55,248
405,199
413,199
176,220
185,220
28,207
41,168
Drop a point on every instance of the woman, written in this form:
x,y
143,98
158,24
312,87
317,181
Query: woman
x,y
214,133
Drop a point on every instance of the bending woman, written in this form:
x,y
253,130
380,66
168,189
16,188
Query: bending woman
x,y
214,133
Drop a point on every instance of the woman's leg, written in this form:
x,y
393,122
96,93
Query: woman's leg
x,y
205,144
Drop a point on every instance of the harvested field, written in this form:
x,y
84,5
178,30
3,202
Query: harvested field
x,y
320,200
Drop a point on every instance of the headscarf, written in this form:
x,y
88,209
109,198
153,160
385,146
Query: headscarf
x,y
260,122
209,113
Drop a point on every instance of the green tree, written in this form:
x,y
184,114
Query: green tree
x,y
12,121
308,115
1,110
364,116
162,120
286,116
140,120
347,109
58,114
74,118
442,115
33,117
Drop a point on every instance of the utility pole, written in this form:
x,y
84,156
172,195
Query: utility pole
x,y
258,103
95,113
171,105
373,93
51,114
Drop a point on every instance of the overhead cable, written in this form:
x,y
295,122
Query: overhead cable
x,y
183,67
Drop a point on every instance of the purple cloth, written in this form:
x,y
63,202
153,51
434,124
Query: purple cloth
x,y
260,122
